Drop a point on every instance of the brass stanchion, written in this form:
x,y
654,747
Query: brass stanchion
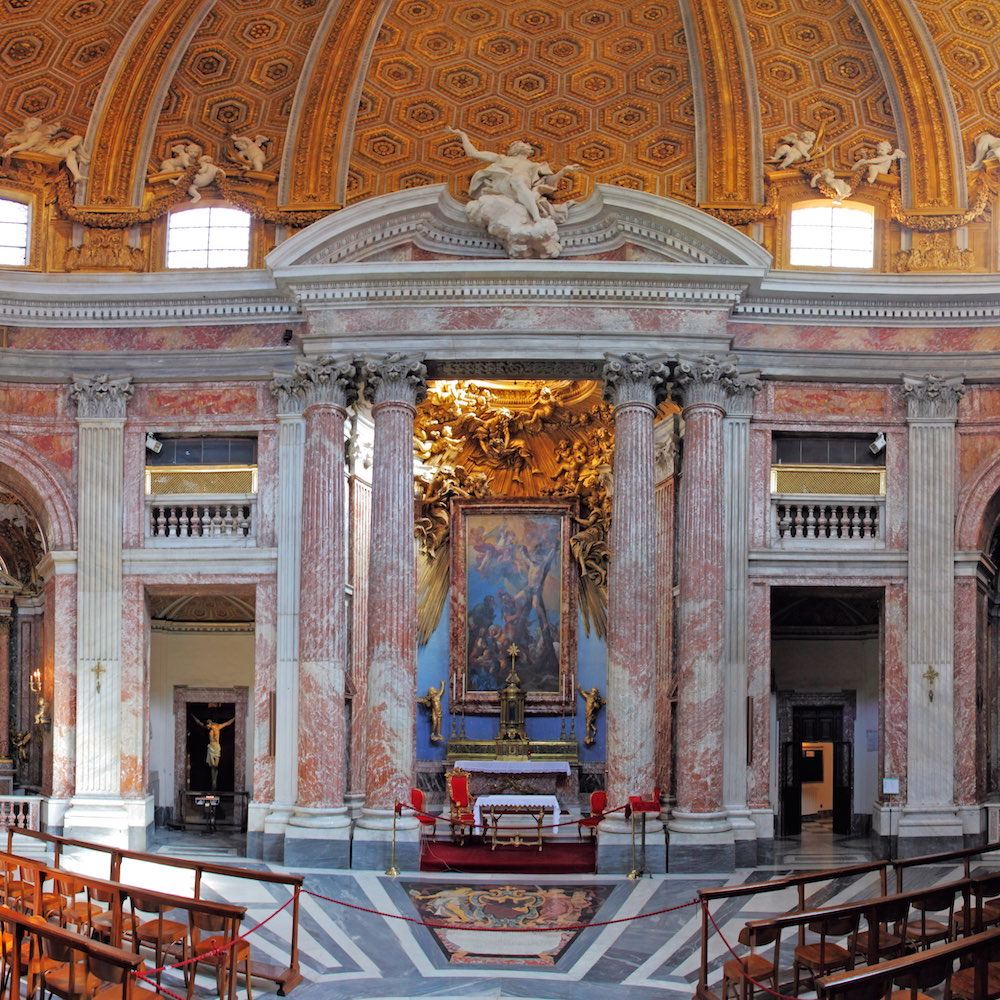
x,y
392,871
634,873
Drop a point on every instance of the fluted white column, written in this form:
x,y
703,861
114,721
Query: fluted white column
x,y
736,560
932,413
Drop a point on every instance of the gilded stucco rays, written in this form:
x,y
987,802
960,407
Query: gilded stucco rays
x,y
815,68
603,84
239,76
53,57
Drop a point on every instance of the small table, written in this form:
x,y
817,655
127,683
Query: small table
x,y
496,807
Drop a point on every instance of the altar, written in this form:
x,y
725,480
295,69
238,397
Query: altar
x,y
521,777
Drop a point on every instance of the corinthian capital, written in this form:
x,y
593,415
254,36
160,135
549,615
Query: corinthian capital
x,y
634,378
101,395
328,380
933,396
708,380
395,378
290,392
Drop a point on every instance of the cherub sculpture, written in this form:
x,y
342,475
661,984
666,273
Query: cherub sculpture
x,y
208,173
987,148
881,162
250,153
793,148
826,178
511,199
34,137
182,156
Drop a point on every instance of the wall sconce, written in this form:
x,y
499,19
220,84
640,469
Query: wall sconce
x,y
42,717
153,445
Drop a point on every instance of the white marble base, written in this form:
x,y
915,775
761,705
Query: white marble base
x,y
112,821
930,821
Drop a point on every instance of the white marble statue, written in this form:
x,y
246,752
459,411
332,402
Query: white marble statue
x,y
987,148
511,199
832,181
208,173
792,148
882,161
250,153
35,137
182,155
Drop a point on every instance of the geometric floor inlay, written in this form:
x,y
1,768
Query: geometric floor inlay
x,y
543,921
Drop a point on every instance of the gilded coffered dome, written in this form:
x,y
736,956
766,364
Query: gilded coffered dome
x,y
350,100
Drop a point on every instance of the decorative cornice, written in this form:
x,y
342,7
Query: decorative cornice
x,y
933,397
395,378
634,378
101,396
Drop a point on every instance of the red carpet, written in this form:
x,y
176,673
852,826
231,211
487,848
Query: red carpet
x,y
555,858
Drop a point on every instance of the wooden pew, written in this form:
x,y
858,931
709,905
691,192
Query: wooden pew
x,y
874,981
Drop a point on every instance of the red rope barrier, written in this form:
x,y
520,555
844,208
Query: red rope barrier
x,y
400,806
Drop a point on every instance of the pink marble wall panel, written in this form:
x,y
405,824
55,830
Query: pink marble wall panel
x,y
977,449
820,402
134,488
759,691
59,683
267,484
969,745
980,402
760,484
200,402
608,319
30,402
806,337
134,690
665,508
265,671
179,338
894,687
58,450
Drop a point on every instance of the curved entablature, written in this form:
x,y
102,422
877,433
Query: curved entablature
x,y
434,222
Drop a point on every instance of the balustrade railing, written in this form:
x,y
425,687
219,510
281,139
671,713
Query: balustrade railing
x,y
205,517
21,811
827,519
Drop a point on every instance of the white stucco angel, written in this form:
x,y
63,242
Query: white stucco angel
x,y
182,155
35,137
987,148
250,153
829,179
881,163
208,173
793,148
511,199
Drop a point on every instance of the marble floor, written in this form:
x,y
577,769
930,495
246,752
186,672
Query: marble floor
x,y
582,937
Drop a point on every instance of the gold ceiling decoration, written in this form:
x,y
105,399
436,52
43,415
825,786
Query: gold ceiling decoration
x,y
513,439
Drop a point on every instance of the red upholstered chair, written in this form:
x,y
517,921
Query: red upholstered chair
x,y
641,805
461,803
598,803
427,823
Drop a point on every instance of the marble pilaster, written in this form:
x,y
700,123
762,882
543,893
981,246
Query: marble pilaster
x,y
700,833
290,395
318,832
736,520
393,385
930,819
98,810
5,627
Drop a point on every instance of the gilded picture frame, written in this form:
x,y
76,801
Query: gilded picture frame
x,y
512,583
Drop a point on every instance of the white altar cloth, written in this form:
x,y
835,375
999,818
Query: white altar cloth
x,y
514,766
547,802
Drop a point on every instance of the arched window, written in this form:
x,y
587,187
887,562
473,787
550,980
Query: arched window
x,y
14,217
208,237
824,234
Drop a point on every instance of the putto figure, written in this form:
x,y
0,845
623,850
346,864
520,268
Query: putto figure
x,y
34,137
511,199
793,148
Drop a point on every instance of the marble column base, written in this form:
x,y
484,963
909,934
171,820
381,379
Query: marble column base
x,y
928,830
355,802
615,854
115,822
744,835
318,838
700,842
268,841
372,846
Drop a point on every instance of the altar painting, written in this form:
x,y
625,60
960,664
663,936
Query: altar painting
x,y
511,587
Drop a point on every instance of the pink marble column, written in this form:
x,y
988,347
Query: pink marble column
x,y
394,386
698,818
329,387
633,385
